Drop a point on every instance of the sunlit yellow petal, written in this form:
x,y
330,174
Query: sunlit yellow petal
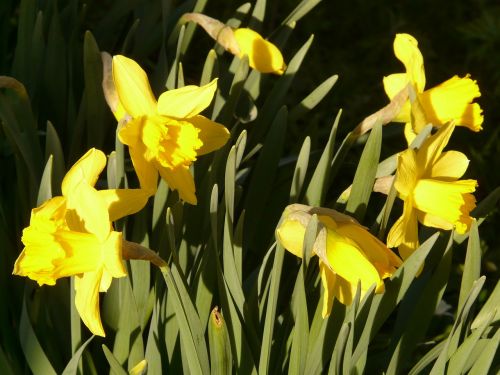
x,y
433,221
343,290
187,101
123,202
291,234
132,86
328,281
349,262
410,135
112,255
87,300
131,132
450,165
404,232
450,201
384,260
145,170
180,179
431,149
262,54
212,134
87,212
406,175
393,84
452,100
86,169
406,50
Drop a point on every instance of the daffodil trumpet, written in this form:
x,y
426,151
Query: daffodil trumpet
x,y
348,254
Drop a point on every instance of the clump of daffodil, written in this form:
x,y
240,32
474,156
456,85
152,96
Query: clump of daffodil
x,y
427,180
451,100
263,55
72,235
163,137
348,254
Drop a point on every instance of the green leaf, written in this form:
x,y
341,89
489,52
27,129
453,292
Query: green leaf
x,y
45,189
116,368
173,74
491,306
270,316
220,348
364,178
53,147
33,352
153,353
318,185
427,359
72,366
472,266
339,349
299,173
483,363
304,7
313,99
209,68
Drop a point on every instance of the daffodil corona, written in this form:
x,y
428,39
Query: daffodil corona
x,y
348,254
164,137
427,180
72,235
451,100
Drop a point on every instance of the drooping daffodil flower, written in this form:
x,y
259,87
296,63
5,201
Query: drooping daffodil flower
x,y
427,180
262,55
348,254
72,235
167,136
451,100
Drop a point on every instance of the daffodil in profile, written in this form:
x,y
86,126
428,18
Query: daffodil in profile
x,y
427,180
348,254
262,55
72,235
167,136
451,100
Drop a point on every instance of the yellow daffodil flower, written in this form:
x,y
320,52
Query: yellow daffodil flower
x,y
448,101
164,137
428,182
348,254
72,235
263,55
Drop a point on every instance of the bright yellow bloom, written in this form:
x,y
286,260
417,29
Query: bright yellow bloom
x,y
428,182
347,252
263,55
166,136
448,101
72,235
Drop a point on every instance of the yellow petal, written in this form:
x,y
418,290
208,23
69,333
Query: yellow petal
x,y
328,281
86,169
450,201
349,262
109,89
131,132
343,290
406,50
404,232
433,221
450,165
406,173
123,202
212,134
262,55
87,300
290,234
393,84
112,255
133,88
187,101
88,212
145,170
431,149
452,101
180,179
384,260
410,135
